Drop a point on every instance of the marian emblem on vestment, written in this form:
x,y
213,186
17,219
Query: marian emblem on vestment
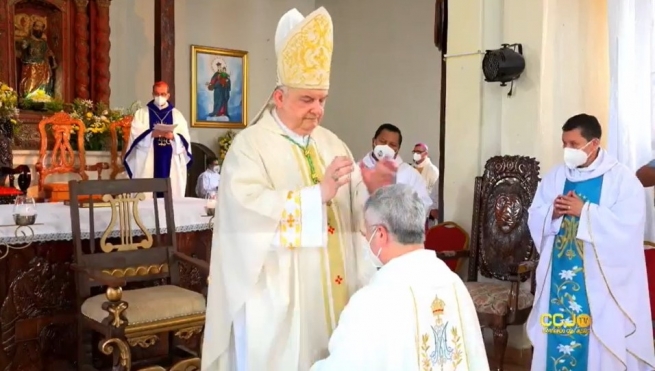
x,y
444,349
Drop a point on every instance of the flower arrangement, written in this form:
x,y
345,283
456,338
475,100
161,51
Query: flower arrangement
x,y
224,143
96,118
8,110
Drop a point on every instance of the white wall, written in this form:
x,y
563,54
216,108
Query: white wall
x,y
385,66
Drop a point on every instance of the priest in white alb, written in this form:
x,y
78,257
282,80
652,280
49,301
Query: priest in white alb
x,y
591,309
386,144
154,152
286,252
415,314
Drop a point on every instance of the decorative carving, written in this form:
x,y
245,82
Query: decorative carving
x,y
62,157
124,210
120,351
42,290
115,308
102,48
21,231
190,276
192,364
82,75
141,270
38,312
145,341
187,333
125,126
505,193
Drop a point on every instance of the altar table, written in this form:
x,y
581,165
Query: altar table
x,y
37,287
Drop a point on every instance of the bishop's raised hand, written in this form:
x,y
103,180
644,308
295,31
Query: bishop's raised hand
x,y
383,174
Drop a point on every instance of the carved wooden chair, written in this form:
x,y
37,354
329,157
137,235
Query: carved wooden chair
x,y
62,158
450,242
131,253
121,127
501,247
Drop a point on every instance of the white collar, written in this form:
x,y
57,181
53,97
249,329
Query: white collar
x,y
302,140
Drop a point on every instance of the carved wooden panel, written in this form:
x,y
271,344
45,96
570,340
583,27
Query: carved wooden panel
x,y
501,238
62,159
37,304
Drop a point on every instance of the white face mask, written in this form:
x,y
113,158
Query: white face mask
x,y
575,157
216,168
160,101
417,157
382,151
370,256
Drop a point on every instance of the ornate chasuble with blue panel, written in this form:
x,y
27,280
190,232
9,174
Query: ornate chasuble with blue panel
x,y
333,273
569,320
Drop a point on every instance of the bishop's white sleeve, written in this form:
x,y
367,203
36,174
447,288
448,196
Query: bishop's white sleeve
x,y
303,220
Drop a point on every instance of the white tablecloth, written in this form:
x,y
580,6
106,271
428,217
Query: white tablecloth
x,y
53,222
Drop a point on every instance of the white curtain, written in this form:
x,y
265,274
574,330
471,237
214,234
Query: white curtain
x,y
631,124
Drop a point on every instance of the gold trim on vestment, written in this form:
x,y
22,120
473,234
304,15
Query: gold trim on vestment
x,y
418,330
461,326
332,270
602,273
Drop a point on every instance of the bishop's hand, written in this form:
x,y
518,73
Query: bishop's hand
x,y
383,174
336,175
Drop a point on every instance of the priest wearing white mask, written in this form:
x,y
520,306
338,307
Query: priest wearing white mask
x,y
415,314
591,309
286,252
156,153
430,174
386,144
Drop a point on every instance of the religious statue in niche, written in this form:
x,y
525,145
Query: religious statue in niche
x,y
36,39
38,62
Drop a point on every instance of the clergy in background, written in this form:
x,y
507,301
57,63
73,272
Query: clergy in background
x,y
430,174
415,314
209,180
286,251
385,145
591,309
156,153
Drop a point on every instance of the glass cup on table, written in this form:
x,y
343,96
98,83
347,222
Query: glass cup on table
x,y
210,203
24,211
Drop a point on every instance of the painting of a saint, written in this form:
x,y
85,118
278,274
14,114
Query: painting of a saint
x,y
219,87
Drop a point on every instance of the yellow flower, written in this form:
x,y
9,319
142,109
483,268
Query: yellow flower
x,y
13,121
89,114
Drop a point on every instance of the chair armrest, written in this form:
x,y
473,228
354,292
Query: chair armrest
x,y
200,264
100,277
450,254
516,270
98,168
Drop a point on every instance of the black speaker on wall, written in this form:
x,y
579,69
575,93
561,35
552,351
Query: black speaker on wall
x,y
503,65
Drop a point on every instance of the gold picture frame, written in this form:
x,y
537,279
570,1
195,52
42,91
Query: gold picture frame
x,y
219,88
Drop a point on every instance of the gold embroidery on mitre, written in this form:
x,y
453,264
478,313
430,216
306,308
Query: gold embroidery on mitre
x,y
437,306
306,55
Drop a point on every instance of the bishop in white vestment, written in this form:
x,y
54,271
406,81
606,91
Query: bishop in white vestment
x,y
153,154
429,172
286,251
591,309
415,314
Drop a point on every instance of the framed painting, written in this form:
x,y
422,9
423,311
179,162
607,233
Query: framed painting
x,y
219,88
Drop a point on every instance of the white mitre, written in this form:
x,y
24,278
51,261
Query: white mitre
x,y
303,46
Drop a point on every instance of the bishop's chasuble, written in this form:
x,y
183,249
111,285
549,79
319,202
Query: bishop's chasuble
x,y
149,157
414,315
591,309
283,264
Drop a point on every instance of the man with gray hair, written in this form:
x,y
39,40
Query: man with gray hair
x,y
415,313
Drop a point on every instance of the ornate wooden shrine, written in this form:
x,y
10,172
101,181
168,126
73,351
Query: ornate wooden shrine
x,y
76,35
